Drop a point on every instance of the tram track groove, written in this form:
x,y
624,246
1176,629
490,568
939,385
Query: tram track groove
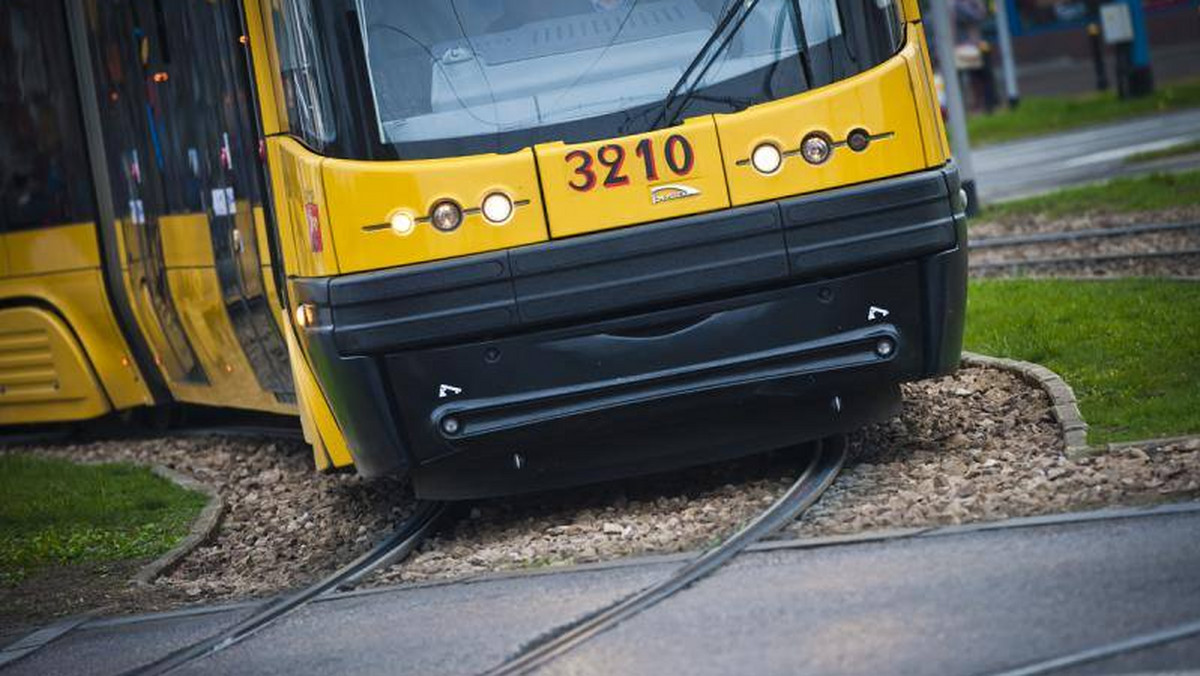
x,y
1076,235
826,463
1083,260
402,541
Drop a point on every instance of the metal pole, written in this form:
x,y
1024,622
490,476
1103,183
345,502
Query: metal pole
x,y
960,143
1004,33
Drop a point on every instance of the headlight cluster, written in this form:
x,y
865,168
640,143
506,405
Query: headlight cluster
x,y
447,216
816,148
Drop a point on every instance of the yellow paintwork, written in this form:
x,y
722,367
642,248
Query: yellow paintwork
x,y
364,194
262,58
260,233
879,100
320,427
54,249
197,295
186,241
572,212
44,374
59,267
911,10
300,176
79,297
920,69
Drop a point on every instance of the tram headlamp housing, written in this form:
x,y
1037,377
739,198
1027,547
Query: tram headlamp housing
x,y
306,315
497,208
446,216
816,148
402,223
766,158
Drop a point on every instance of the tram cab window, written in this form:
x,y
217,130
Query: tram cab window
x,y
460,76
305,78
44,176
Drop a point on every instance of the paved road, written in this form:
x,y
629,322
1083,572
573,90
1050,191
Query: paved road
x,y
959,602
1027,167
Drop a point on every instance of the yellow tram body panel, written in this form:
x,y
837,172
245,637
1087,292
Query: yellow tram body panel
x,y
618,182
56,271
232,382
44,373
301,208
879,101
362,198
321,429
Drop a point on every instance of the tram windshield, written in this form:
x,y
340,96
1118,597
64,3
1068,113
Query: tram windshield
x,y
449,77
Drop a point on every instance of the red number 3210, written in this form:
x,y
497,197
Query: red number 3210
x,y
677,153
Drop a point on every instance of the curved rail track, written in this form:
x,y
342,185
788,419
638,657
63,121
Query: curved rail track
x,y
1072,236
820,473
825,463
398,545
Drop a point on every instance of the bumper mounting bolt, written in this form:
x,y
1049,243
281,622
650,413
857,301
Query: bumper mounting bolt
x,y
885,347
518,461
836,404
450,425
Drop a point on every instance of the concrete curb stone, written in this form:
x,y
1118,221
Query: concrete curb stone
x,y
1062,398
201,532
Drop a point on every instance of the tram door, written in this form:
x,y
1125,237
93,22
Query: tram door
x,y
212,106
121,57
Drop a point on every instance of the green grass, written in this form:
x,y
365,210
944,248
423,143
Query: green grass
x,y
1163,153
1141,193
54,512
1042,115
1129,348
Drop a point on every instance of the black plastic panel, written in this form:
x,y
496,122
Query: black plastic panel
x,y
640,268
644,265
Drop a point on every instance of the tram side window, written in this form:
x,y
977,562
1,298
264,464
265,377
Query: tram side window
x,y
44,176
306,90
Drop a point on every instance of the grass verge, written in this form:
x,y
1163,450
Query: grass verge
x,y
1141,193
1176,150
1127,347
54,512
1043,115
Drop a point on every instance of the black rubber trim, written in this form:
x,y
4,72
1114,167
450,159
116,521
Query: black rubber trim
x,y
640,268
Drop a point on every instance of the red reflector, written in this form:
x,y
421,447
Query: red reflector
x,y
313,215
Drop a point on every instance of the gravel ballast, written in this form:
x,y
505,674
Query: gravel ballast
x,y
982,444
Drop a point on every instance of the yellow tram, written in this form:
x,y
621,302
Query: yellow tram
x,y
496,245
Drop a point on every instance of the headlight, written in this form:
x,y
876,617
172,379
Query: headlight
x,y
766,158
497,208
815,148
402,223
446,216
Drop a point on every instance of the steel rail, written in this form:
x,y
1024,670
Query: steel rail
x,y
1083,260
1108,651
1075,235
820,473
403,540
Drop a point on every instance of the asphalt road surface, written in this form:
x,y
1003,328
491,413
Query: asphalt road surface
x,y
955,602
1031,166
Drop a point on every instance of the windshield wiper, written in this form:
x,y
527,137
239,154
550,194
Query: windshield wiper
x,y
802,43
738,9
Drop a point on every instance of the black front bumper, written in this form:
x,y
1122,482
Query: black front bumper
x,y
660,345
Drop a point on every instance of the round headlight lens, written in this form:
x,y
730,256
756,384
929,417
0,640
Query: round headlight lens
x,y
446,216
766,158
402,223
815,148
497,208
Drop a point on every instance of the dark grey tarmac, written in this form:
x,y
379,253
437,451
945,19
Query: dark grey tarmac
x,y
961,601
1032,166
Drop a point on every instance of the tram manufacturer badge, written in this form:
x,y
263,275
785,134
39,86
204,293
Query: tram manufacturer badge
x,y
668,193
